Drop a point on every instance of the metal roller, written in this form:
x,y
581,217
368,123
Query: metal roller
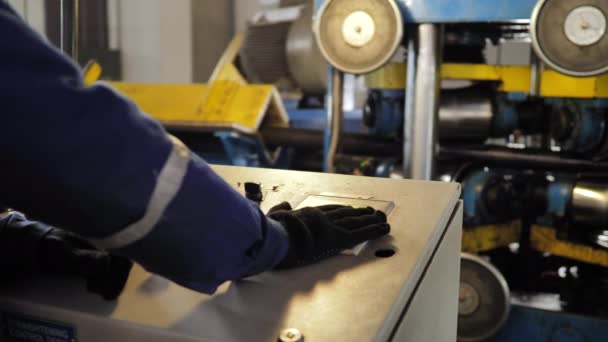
x,y
262,56
589,204
465,115
305,61
358,37
280,48
571,36
483,302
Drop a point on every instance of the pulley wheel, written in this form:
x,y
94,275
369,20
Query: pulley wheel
x,y
361,36
483,302
571,36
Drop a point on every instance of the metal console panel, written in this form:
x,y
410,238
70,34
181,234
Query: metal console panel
x,y
411,295
462,11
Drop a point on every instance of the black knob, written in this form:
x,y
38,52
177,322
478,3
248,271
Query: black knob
x,y
253,191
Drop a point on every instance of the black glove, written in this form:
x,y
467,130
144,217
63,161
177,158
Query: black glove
x,y
322,232
27,247
63,253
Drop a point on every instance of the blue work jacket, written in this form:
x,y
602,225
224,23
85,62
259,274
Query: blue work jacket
x,y
86,159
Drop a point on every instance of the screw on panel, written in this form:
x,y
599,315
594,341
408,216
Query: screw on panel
x,y
291,335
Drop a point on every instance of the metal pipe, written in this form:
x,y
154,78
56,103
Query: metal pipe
x,y
335,119
529,159
536,71
69,16
75,29
426,104
62,25
408,120
311,140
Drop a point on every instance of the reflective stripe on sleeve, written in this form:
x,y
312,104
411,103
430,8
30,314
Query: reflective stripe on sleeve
x,y
167,186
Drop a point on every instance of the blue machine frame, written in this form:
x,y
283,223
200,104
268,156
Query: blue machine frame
x,y
528,324
524,324
458,11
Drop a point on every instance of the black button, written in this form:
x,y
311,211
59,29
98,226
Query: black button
x,y
253,191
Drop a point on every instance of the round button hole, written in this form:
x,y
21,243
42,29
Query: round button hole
x,y
385,253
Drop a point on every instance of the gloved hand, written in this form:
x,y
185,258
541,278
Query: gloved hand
x,y
322,232
63,253
27,247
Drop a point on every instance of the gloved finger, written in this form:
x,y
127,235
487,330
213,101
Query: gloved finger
x,y
68,238
370,232
282,206
348,212
361,221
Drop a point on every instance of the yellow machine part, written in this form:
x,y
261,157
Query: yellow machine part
x,y
485,238
220,103
512,79
91,72
226,70
544,239
226,101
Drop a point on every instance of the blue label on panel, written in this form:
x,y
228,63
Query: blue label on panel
x,y
26,329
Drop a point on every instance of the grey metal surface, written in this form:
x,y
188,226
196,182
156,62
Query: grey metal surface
x,y
336,118
589,204
212,31
436,300
426,101
347,298
465,114
306,64
516,51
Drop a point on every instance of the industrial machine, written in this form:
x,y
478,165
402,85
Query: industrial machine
x,y
409,280
507,97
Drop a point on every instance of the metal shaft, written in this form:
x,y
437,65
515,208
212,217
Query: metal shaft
x,y
426,105
69,17
335,119
408,120
536,72
312,140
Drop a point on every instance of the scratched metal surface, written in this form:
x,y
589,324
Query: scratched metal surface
x,y
347,298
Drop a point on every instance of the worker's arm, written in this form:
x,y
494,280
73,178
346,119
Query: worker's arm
x,y
86,159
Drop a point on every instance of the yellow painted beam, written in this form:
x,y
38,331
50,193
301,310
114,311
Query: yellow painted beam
x,y
166,101
222,103
225,69
489,237
544,239
511,78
